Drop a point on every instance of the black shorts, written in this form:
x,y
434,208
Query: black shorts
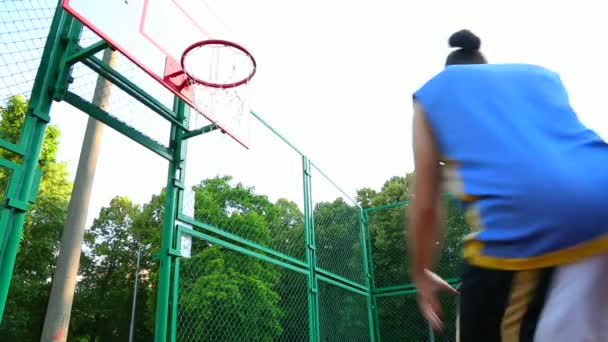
x,y
501,306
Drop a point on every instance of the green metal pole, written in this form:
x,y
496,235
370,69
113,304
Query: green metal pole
x,y
174,300
32,137
372,278
182,153
168,231
313,317
368,276
386,206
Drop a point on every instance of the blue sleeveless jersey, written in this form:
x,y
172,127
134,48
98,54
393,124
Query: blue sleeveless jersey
x,y
533,178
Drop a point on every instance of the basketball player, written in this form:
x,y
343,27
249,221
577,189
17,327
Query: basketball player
x,y
534,182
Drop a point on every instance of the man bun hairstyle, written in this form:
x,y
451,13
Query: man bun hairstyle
x,y
467,44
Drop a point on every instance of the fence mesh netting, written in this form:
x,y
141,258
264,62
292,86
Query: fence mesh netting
x,y
398,315
343,314
227,296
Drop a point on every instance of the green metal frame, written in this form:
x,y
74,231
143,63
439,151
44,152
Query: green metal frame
x,y
24,181
61,52
367,264
311,256
174,185
237,239
372,280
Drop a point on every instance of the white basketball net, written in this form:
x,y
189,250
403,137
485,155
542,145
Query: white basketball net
x,y
220,64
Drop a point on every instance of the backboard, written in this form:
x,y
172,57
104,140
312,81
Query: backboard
x,y
153,34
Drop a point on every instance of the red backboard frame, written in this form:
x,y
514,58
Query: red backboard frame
x,y
172,77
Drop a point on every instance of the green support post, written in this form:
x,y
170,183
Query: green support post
x,y
36,120
168,231
367,270
182,152
174,300
372,278
313,298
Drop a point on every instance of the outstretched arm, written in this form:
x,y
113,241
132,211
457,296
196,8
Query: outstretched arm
x,y
425,225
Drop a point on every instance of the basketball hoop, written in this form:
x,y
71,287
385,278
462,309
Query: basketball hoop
x,y
218,74
202,49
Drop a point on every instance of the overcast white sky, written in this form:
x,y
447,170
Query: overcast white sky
x,y
336,78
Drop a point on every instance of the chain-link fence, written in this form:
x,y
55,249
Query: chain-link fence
x,y
262,245
343,313
399,319
398,316
270,254
387,229
24,26
228,296
337,221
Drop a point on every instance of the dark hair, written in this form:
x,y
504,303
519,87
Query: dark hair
x,y
468,52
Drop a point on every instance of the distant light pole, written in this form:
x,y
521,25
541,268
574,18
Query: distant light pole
x,y
132,328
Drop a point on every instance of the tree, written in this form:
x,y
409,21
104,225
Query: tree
x,y
225,294
220,291
229,296
286,224
35,263
338,239
388,230
147,229
107,269
106,289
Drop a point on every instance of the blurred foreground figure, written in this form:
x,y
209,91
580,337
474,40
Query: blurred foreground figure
x,y
534,182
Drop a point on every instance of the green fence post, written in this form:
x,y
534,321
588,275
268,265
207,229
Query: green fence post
x,y
368,271
36,120
172,192
372,278
174,300
184,114
313,298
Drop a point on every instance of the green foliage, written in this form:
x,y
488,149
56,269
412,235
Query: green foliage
x,y
455,228
12,115
217,284
105,292
400,320
396,189
343,314
227,296
214,283
234,208
286,224
389,247
388,230
338,239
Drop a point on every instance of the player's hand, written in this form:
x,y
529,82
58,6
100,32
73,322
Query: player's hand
x,y
428,286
